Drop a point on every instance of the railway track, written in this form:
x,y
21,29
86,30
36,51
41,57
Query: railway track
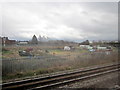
x,y
60,79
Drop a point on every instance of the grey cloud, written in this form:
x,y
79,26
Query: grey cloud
x,y
68,21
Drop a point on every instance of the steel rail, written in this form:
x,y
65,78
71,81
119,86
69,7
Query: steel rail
x,y
43,80
72,80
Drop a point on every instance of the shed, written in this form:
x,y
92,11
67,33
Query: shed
x,y
86,46
22,42
101,48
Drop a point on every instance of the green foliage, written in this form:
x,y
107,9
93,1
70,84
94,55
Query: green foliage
x,y
6,51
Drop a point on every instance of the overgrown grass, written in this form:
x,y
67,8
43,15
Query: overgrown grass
x,y
34,72
59,60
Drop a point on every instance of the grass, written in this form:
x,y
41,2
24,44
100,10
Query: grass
x,y
6,52
34,72
59,60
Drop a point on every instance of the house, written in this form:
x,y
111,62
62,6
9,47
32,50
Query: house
x,y
6,41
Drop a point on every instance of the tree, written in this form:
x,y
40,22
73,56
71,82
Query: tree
x,y
85,42
34,40
40,38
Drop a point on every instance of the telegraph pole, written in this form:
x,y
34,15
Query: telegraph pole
x,y
4,41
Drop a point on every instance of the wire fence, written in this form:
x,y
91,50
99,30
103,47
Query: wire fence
x,y
15,65
26,64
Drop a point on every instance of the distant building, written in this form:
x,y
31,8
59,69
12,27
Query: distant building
x,y
86,47
22,42
101,48
6,41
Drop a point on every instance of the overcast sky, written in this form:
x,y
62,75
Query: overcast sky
x,y
62,21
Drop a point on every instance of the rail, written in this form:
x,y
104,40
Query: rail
x,y
61,78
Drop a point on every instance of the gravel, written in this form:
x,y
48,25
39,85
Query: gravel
x,y
109,81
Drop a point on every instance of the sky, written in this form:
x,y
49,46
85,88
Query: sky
x,y
60,20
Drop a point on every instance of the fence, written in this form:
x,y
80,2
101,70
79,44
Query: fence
x,y
27,64
10,66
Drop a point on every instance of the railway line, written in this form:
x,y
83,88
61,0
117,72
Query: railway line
x,y
56,80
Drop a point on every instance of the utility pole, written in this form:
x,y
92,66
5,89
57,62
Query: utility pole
x,y
4,41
